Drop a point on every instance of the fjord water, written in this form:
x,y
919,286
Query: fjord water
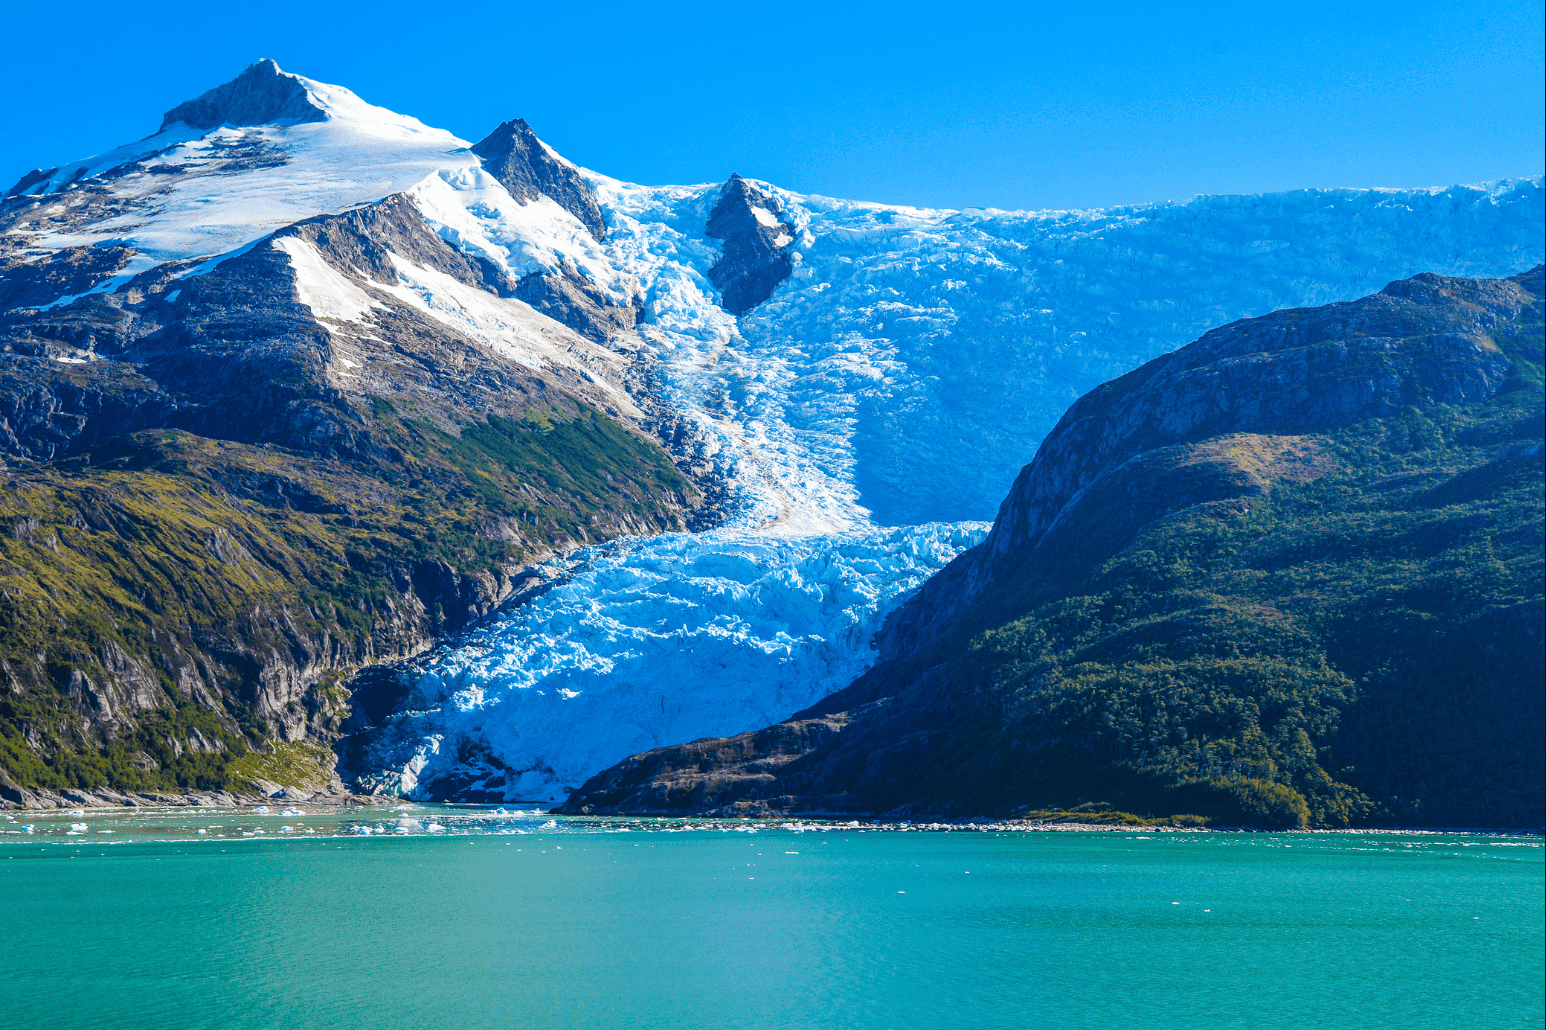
x,y
477,920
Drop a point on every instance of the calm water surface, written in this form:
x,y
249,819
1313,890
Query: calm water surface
x,y
465,918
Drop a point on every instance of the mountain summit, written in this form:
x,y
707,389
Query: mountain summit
x,y
261,95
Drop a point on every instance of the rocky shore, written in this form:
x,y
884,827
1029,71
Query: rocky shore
x,y
22,799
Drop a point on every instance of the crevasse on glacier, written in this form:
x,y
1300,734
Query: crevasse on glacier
x,y
651,642
900,378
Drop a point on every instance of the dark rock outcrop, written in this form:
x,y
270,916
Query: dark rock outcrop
x,y
755,258
260,95
572,299
30,180
515,156
66,272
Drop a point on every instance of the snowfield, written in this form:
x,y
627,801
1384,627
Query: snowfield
x,y
868,417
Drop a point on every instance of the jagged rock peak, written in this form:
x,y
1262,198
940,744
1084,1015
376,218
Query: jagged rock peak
x,y
755,235
261,95
526,167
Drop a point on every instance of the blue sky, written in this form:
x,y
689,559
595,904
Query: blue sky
x,y
946,105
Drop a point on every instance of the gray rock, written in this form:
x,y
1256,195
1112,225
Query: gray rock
x,y
753,262
260,95
31,179
515,156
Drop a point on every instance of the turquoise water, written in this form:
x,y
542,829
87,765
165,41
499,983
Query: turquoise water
x,y
477,919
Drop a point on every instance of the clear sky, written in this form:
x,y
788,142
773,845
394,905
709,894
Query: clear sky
x,y
940,104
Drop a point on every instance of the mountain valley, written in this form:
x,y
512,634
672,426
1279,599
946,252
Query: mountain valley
x,y
342,454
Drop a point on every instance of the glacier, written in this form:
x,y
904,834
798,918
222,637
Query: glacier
x,y
876,407
865,419
650,642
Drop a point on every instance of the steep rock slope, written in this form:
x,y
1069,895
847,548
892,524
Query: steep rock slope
x,y
529,169
1289,573
746,222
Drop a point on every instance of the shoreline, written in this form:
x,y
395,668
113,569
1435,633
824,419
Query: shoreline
x,y
106,801
44,801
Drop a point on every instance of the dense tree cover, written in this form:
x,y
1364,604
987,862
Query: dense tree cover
x,y
1364,647
120,564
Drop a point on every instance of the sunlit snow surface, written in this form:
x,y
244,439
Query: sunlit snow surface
x,y
899,378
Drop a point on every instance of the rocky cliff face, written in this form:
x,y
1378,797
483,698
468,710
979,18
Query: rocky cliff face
x,y
755,258
261,95
529,169
1227,584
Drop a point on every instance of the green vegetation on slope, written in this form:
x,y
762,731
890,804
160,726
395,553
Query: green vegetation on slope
x,y
1361,648
149,589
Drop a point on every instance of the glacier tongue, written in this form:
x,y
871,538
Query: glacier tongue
x,y
647,643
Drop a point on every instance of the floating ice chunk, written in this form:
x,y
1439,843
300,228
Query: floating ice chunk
x,y
261,810
292,811
363,831
203,831
78,827
435,828
287,829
